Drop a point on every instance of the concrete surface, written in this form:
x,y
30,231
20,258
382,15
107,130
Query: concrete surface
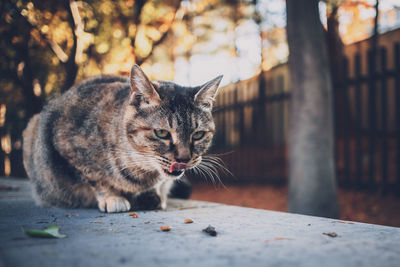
x,y
246,237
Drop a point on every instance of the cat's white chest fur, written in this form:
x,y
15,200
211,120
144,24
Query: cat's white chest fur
x,y
163,188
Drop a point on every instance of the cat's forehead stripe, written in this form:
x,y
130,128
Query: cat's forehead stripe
x,y
195,121
170,121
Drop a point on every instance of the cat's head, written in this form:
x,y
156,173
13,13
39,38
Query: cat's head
x,y
170,125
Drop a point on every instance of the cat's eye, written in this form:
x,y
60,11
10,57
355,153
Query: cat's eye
x,y
198,135
163,134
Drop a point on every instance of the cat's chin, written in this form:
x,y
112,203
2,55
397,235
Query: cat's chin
x,y
174,174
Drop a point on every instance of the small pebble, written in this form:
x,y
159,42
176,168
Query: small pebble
x,y
210,230
133,214
165,228
332,234
188,220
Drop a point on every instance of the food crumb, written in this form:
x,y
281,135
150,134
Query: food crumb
x,y
332,234
188,220
210,230
165,228
133,214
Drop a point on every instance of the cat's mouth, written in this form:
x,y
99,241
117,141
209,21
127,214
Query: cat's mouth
x,y
176,169
174,173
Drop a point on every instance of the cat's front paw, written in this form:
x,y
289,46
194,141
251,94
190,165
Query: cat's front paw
x,y
114,204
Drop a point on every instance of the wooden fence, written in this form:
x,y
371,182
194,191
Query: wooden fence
x,y
368,126
252,124
252,120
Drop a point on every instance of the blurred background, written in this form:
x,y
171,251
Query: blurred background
x,y
46,46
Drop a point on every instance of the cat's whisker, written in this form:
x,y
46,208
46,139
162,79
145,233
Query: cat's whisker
x,y
213,174
137,172
220,165
205,176
212,165
124,156
220,154
133,160
217,167
209,171
202,174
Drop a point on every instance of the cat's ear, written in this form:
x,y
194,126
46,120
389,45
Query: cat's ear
x,y
206,95
142,92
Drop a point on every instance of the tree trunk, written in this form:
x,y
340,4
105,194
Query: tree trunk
x,y
33,104
71,67
335,44
375,35
312,186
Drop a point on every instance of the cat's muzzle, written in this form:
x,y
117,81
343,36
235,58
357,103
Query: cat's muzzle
x,y
176,168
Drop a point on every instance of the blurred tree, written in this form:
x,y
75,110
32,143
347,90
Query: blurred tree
x,y
46,45
312,185
335,55
335,44
355,17
375,35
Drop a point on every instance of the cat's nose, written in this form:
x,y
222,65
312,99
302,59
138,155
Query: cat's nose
x,y
182,160
182,155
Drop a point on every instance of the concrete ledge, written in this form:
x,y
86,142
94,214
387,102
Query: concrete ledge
x,y
246,237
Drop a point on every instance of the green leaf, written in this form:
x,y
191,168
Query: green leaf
x,y
49,232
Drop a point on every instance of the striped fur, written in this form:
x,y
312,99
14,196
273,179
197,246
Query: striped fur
x,y
95,145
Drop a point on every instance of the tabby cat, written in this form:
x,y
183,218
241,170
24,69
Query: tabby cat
x,y
113,141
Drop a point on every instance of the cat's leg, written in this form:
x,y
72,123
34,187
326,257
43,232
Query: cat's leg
x,y
113,204
108,201
182,188
147,200
162,189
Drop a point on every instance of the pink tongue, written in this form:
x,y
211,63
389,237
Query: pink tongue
x,y
176,166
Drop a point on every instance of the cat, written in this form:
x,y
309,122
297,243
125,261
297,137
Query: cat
x,y
116,142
